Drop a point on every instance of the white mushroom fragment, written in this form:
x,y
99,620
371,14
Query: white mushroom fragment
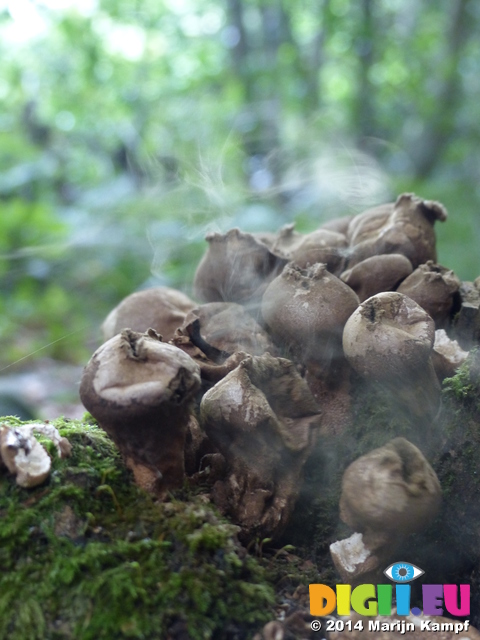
x,y
447,355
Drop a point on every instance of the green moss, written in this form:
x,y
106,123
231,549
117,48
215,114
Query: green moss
x,y
88,556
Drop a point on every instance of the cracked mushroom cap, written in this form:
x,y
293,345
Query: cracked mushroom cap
x,y
159,308
305,310
263,419
140,390
407,227
236,268
323,245
391,489
435,289
389,339
389,334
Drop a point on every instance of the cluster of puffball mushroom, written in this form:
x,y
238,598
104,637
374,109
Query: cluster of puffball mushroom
x,y
239,387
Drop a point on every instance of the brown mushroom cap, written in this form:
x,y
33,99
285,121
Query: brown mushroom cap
x,y
263,419
376,274
392,489
305,310
322,245
389,334
229,328
160,308
406,228
467,320
236,268
340,225
140,390
435,289
367,224
389,339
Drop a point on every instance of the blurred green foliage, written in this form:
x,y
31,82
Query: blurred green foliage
x,y
129,128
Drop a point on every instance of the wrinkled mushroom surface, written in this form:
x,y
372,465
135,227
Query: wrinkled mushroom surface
x,y
262,418
435,289
236,268
392,489
140,390
160,308
389,339
323,245
405,227
305,311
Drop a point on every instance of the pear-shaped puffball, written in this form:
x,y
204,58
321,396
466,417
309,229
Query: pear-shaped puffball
x,y
405,227
392,489
263,419
159,308
305,310
140,390
389,339
236,268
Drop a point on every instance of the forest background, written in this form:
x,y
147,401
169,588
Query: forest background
x,y
130,128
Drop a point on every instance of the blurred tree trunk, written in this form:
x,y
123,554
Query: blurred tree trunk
x,y
365,107
239,51
441,127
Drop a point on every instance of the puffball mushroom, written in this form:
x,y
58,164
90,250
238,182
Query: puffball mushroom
x,y
323,245
391,490
236,268
140,390
389,339
227,327
387,494
305,311
262,418
376,274
159,308
405,227
435,289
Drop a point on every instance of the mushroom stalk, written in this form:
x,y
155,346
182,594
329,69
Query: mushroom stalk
x,y
141,390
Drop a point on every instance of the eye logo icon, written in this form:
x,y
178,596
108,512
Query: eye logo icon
x,y
403,572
